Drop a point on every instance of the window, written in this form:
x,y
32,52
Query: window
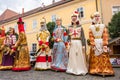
x,y
115,9
53,18
81,12
7,29
16,28
34,47
25,26
34,24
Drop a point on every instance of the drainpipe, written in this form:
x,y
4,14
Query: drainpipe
x,y
96,2
101,11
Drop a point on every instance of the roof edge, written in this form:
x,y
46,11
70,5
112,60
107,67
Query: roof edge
x,y
39,9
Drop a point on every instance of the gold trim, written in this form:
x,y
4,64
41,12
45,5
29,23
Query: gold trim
x,y
5,67
41,69
75,39
97,37
97,28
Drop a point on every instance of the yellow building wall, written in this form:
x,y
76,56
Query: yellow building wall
x,y
107,9
10,24
64,11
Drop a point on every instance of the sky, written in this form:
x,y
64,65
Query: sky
x,y
17,5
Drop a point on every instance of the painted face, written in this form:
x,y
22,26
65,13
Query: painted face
x,y
58,22
74,18
97,18
42,24
11,31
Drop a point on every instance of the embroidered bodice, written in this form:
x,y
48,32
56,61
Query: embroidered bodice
x,y
97,30
75,32
44,36
59,33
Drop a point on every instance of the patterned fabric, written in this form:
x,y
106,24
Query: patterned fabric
x,y
77,33
105,37
43,60
22,60
100,64
8,59
60,55
1,48
99,57
13,39
2,37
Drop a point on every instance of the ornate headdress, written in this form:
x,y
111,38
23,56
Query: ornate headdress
x,y
43,24
93,17
58,18
20,25
75,14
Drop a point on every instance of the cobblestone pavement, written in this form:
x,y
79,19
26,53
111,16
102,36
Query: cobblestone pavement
x,y
51,75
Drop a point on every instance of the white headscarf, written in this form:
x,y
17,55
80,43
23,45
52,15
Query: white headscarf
x,y
43,25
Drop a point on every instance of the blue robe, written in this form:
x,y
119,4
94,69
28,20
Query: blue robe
x,y
60,55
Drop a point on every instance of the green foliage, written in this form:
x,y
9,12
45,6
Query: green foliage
x,y
114,26
88,42
50,27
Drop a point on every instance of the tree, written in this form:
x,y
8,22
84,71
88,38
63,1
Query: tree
x,y
114,26
50,27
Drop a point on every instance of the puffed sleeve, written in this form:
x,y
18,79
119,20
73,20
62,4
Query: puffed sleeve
x,y
47,40
21,37
54,35
48,36
105,37
65,37
91,37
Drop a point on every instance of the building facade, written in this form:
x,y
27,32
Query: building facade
x,y
63,9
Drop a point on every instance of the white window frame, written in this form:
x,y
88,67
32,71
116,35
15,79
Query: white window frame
x,y
34,24
25,26
34,47
83,12
16,28
116,8
7,29
53,16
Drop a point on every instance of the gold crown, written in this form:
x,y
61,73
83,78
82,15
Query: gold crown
x,y
96,14
43,20
58,18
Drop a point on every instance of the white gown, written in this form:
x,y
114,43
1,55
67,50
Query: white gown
x,y
77,61
42,63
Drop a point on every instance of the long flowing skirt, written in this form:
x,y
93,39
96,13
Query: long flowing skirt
x,y
7,61
77,61
60,57
43,61
1,54
100,64
22,60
